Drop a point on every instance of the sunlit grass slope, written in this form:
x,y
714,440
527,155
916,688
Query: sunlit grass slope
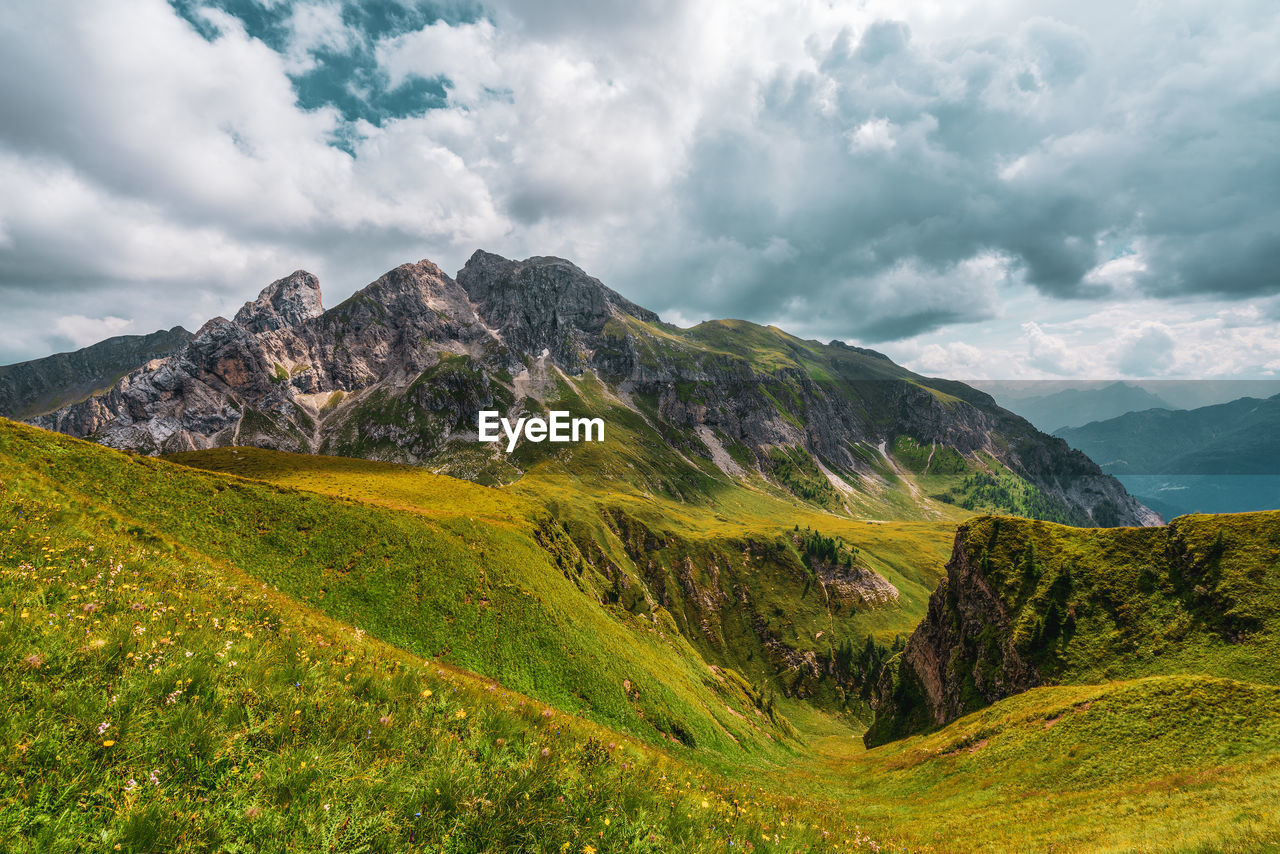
x,y
1176,763
728,575
158,698
492,595
195,661
1183,763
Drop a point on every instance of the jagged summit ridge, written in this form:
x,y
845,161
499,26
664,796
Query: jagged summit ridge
x,y
399,371
545,303
285,302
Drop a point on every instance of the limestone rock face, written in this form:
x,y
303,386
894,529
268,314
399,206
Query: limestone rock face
x,y
284,303
962,656
43,385
1026,603
399,370
246,381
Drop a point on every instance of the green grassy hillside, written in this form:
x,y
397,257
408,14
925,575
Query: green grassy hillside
x,y
1032,603
498,595
159,698
729,577
349,656
1170,763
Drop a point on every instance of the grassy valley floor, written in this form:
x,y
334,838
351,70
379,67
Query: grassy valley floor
x,y
1178,763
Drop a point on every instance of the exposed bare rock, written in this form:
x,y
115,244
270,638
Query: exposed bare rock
x,y
962,656
43,385
286,302
545,303
856,584
249,381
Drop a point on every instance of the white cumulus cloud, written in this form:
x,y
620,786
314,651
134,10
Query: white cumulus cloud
x,y
82,331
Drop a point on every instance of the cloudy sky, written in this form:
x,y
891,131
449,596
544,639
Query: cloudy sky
x,y
985,188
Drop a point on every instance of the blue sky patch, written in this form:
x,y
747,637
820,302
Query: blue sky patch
x,y
349,81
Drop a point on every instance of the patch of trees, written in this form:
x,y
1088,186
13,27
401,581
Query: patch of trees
x,y
862,664
817,548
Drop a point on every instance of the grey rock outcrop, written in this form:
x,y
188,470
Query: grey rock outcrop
x,y
284,303
961,657
43,385
252,380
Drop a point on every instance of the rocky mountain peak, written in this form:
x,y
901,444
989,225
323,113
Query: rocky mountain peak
x,y
411,290
399,370
543,287
544,303
284,303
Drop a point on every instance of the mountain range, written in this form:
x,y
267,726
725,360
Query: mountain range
x,y
1054,404
1237,438
1072,407
398,371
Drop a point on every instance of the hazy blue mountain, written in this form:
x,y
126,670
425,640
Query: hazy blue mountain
x,y
1240,437
1073,407
1194,394
1215,459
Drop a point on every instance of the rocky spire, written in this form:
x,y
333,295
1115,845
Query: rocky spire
x,y
283,303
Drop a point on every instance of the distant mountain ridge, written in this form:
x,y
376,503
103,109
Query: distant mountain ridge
x,y
1074,407
1240,437
44,385
399,370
